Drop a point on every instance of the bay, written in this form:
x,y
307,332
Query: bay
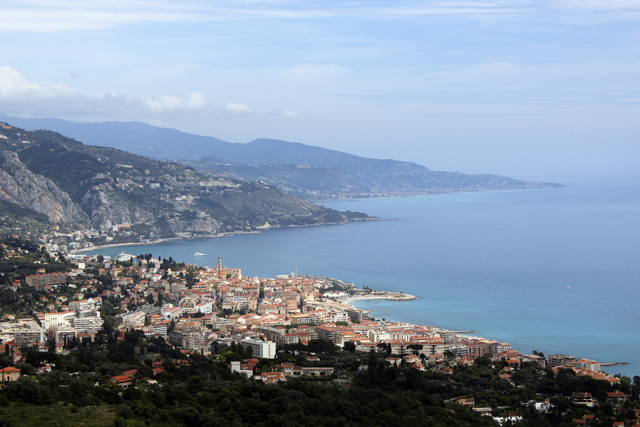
x,y
553,270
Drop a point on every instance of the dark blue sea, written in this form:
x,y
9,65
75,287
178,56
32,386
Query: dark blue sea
x,y
553,270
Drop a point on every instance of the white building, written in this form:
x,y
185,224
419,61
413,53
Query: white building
x,y
261,349
134,319
64,318
237,367
171,313
587,364
88,304
88,321
205,307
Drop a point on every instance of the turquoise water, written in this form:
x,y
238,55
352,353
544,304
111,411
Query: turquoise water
x,y
552,270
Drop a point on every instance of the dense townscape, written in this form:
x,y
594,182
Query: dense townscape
x,y
141,340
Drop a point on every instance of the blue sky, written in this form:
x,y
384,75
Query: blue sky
x,y
528,89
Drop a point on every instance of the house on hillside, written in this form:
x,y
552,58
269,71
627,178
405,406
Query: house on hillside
x,y
9,374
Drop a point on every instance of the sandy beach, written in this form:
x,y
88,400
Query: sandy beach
x,y
115,245
154,242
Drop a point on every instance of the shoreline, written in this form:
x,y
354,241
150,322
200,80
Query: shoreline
x,y
377,197
162,240
258,230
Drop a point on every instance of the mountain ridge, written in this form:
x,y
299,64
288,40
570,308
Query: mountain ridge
x,y
329,174
104,187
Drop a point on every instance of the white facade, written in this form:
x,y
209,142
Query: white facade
x,y
64,318
237,367
261,349
205,307
88,324
134,319
88,304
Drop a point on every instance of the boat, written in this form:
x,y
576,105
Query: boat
x,y
199,254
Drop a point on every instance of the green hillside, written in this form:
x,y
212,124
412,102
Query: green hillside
x,y
113,187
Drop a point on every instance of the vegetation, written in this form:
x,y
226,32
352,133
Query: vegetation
x,y
201,391
162,199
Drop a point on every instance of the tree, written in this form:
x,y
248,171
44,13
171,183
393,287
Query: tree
x,y
321,346
384,348
350,346
415,347
449,354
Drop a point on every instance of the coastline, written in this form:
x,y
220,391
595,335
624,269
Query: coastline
x,y
162,240
435,193
258,230
115,245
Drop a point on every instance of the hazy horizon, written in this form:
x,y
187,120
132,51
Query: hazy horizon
x,y
536,90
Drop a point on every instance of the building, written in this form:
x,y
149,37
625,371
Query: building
x,y
587,364
237,367
583,399
273,377
23,331
616,398
64,318
62,334
88,323
261,349
560,360
46,279
9,374
123,381
88,304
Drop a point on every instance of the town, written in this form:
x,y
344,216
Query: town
x,y
155,314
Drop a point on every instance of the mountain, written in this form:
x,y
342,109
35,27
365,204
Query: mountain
x,y
68,181
324,173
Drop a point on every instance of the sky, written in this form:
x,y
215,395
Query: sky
x,y
528,89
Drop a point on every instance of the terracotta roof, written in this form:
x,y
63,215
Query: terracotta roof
x,y
121,379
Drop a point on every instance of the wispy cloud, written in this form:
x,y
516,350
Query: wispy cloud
x,y
313,71
53,16
291,113
21,96
233,107
65,15
631,5
602,83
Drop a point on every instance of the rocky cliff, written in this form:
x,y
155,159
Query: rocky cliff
x,y
103,187
21,186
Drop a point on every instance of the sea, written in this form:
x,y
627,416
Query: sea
x,y
555,270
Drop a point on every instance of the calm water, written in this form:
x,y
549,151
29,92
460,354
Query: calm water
x,y
553,270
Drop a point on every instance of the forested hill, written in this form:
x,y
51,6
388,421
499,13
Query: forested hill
x,y
299,169
69,181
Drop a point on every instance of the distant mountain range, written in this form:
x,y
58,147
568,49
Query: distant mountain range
x,y
48,177
311,172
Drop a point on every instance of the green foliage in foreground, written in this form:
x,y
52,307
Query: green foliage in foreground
x,y
200,402
56,416
204,393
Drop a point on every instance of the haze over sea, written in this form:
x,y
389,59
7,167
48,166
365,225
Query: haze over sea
x,y
553,270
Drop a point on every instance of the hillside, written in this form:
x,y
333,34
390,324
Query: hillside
x,y
326,173
101,187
